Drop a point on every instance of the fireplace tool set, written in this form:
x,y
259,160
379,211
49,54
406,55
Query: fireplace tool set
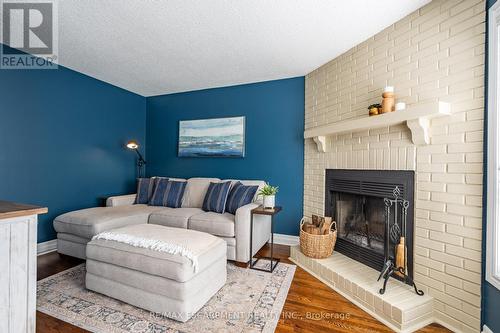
x,y
396,264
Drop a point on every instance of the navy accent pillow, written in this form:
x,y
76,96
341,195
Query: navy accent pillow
x,y
145,190
168,193
239,196
215,198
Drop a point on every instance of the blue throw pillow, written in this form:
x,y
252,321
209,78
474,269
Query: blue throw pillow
x,y
216,196
239,196
168,193
145,190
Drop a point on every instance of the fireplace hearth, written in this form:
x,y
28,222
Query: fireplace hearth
x,y
355,199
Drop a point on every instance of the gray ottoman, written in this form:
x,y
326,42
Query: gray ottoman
x,y
173,285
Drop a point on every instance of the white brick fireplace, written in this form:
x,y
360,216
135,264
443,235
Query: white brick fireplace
x,y
434,54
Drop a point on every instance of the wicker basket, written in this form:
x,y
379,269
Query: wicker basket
x,y
318,246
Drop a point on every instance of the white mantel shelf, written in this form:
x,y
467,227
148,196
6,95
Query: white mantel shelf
x,y
417,118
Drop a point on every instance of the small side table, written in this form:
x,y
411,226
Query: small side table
x,y
270,212
102,200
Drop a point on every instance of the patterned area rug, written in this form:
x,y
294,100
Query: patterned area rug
x,y
250,301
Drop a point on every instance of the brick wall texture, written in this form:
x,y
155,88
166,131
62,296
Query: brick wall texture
x,y
434,54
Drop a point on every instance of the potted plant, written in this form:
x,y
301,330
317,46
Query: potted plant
x,y
374,109
268,192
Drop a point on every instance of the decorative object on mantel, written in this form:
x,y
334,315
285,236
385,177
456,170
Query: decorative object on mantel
x,y
388,100
417,118
374,109
400,106
396,265
318,237
141,162
268,193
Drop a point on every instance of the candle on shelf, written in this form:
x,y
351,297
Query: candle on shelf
x,y
389,89
400,106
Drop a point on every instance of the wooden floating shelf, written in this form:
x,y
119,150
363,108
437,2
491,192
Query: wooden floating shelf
x,y
417,119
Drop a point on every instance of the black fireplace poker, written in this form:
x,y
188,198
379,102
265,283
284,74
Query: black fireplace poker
x,y
394,232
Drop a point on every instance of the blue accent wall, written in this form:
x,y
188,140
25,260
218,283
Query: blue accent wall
x,y
490,307
274,151
62,136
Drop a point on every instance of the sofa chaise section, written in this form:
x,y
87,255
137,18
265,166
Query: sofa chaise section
x,y
75,229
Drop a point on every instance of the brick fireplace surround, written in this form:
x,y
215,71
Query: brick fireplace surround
x,y
434,54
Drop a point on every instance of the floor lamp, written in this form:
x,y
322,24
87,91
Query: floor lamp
x,y
141,162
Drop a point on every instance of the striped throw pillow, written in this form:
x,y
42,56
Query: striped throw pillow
x,y
239,196
216,196
168,193
145,190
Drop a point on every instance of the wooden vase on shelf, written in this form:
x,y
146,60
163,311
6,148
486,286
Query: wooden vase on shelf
x,y
388,102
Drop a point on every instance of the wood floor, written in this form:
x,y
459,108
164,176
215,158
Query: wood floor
x,y
311,306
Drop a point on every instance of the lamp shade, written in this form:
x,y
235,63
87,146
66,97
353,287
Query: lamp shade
x,y
132,144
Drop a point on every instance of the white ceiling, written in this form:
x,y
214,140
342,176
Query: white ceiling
x,y
154,47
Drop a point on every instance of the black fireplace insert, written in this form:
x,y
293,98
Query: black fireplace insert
x,y
355,200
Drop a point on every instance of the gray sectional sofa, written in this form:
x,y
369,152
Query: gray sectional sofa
x,y
76,229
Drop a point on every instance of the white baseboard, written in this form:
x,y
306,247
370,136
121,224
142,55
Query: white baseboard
x,y
286,239
486,329
46,247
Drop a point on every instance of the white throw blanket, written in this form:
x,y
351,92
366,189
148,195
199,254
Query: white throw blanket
x,y
153,244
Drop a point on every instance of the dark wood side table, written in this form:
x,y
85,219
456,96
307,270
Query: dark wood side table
x,y
270,212
102,200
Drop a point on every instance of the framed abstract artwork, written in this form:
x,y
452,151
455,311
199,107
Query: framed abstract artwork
x,y
218,137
